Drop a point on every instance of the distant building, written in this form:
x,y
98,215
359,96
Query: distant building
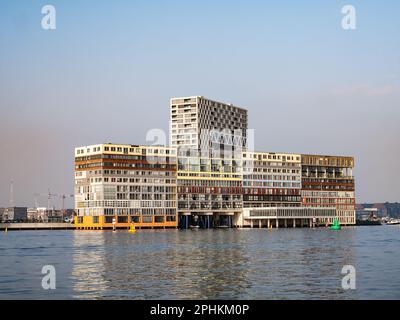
x,y
37,214
367,214
55,215
386,209
15,213
1,214
69,213
32,214
393,209
42,214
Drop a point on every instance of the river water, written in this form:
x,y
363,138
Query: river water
x,y
202,264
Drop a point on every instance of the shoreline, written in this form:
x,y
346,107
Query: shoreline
x,y
4,227
36,226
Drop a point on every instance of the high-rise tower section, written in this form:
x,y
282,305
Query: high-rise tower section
x,y
198,123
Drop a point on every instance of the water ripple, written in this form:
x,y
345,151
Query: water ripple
x,y
209,264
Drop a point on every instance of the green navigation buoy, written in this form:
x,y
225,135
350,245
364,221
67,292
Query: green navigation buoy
x,y
336,225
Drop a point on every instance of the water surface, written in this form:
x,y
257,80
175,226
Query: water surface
x,y
203,264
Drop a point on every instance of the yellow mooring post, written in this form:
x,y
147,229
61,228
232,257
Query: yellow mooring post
x,y
132,228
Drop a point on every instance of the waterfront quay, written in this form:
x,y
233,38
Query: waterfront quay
x,y
36,226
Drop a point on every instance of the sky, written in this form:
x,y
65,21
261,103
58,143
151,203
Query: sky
x,y
109,69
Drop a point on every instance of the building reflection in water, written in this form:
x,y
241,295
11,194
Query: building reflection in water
x,y
323,264
88,264
212,264
159,265
208,264
300,264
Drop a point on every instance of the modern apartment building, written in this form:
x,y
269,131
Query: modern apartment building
x,y
116,185
209,178
328,181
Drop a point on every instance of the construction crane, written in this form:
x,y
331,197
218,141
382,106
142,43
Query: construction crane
x,y
49,195
12,203
36,205
63,197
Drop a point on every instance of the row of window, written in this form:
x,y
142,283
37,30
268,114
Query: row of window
x,y
127,165
269,198
333,161
271,184
150,159
138,181
327,194
92,204
209,197
123,188
137,150
272,157
269,170
209,175
125,173
209,183
329,200
272,191
138,196
148,211
82,151
209,206
268,177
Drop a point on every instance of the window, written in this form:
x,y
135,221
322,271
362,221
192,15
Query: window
x,y
147,219
135,219
109,219
122,219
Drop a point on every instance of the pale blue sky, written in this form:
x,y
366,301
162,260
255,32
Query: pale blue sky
x,y
107,72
